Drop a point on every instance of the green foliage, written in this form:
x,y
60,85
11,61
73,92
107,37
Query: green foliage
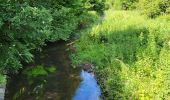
x,y
63,24
151,8
26,25
131,55
129,4
122,4
98,5
154,8
112,80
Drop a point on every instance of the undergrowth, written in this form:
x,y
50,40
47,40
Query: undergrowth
x,y
130,53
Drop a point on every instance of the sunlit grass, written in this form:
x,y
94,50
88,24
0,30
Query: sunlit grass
x,y
130,53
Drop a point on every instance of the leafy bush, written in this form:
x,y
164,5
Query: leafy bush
x,y
26,25
129,4
122,4
151,8
154,8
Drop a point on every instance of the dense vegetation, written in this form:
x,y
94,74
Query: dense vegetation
x,y
151,8
129,50
129,47
26,25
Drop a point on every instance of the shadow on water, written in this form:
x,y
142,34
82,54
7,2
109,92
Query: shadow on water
x,y
51,77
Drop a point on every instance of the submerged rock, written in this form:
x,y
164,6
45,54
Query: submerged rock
x,y
86,66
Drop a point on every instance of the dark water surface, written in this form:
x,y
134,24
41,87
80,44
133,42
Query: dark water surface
x,y
51,77
39,82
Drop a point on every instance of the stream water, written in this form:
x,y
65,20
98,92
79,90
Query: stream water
x,y
51,77
88,89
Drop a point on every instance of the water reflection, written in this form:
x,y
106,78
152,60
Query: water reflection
x,y
88,89
35,81
50,77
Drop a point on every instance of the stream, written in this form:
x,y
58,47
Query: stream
x,y
51,77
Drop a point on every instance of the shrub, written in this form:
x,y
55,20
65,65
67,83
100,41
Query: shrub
x,y
154,8
26,25
151,8
122,4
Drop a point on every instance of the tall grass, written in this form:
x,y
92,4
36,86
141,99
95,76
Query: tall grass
x,y
130,54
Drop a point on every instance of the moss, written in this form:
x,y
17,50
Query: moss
x,y
2,79
35,71
51,69
39,70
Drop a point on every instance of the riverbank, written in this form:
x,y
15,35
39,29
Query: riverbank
x,y
128,52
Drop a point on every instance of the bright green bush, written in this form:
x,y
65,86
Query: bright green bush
x,y
128,51
129,4
154,8
122,4
151,8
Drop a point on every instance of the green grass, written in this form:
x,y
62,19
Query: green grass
x,y
131,54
